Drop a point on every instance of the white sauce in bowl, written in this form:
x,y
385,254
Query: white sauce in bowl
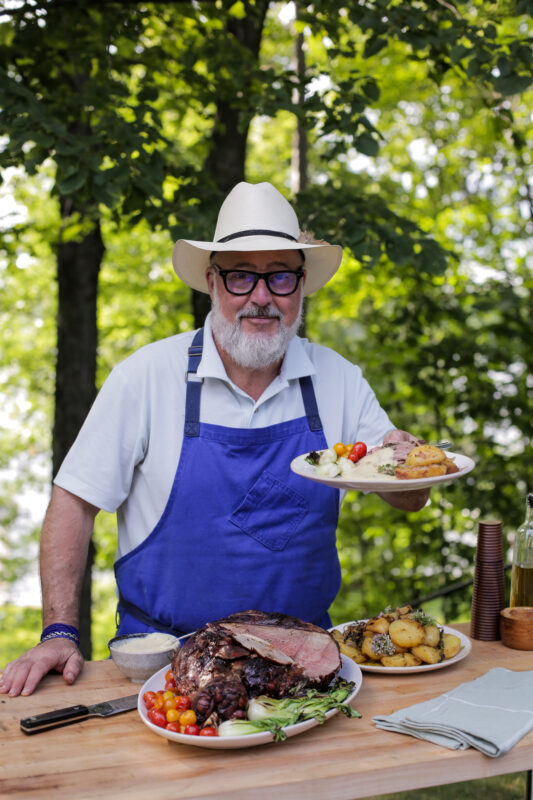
x,y
151,643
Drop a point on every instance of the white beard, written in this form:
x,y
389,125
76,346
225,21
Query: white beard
x,y
252,350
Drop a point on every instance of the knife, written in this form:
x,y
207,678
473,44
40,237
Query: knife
x,y
67,716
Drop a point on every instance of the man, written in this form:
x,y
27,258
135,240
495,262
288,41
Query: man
x,y
190,440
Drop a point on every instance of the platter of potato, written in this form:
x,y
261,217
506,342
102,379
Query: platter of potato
x,y
401,640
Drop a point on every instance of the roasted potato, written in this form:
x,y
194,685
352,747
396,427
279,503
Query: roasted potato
x,y
423,455
401,660
349,648
378,625
432,635
367,649
402,611
451,466
406,632
406,473
450,644
337,635
400,637
429,655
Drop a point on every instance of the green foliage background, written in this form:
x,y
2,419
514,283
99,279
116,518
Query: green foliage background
x,y
420,138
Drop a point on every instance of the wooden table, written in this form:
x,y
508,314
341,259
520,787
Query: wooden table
x,y
120,757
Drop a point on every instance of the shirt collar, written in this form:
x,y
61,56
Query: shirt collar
x,y
295,365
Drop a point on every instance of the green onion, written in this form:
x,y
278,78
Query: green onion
x,y
243,727
269,714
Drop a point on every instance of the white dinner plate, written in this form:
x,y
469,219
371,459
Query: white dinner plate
x,y
349,671
466,647
387,484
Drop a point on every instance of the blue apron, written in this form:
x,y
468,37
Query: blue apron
x,y
240,530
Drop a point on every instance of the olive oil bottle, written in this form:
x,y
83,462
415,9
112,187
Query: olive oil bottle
x,y
522,569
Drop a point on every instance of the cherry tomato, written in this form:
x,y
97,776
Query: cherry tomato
x,y
208,731
175,727
191,730
182,702
357,451
172,715
149,698
169,675
158,701
188,717
170,685
157,718
361,449
340,448
169,703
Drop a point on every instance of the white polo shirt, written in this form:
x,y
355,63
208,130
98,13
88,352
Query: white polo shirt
x,y
126,454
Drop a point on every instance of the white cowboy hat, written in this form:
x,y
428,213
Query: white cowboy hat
x,y
255,217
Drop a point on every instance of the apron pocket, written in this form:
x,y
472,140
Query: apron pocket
x,y
271,512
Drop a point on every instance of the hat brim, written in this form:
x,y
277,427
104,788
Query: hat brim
x,y
190,259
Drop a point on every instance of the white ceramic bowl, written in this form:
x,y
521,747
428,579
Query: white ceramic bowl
x,y
138,667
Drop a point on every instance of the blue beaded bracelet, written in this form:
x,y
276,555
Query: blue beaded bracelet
x,y
60,631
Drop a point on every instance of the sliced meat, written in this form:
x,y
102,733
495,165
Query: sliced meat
x,y
245,635
315,652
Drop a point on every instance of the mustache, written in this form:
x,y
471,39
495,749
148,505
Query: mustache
x,y
259,311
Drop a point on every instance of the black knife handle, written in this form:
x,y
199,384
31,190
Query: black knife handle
x,y
51,718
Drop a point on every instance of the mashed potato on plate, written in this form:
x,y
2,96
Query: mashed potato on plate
x,y
367,467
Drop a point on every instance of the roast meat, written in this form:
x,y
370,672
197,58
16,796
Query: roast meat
x,y
248,654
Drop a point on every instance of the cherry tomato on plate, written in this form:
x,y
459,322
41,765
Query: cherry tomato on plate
x,y
174,727
172,715
357,451
208,731
149,699
169,703
191,730
340,448
188,717
157,717
182,702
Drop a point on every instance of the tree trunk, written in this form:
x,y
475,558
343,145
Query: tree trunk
x,y
299,165
78,266
225,162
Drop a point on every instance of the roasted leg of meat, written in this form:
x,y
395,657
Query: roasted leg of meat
x,y
248,654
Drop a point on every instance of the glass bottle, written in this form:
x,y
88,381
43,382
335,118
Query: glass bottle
x,y
522,569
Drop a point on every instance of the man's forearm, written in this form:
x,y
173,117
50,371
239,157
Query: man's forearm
x,y
65,537
406,501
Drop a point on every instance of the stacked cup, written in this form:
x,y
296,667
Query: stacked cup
x,y
488,596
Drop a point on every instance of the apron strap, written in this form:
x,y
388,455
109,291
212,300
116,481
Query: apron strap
x,y
310,405
194,386
194,390
146,619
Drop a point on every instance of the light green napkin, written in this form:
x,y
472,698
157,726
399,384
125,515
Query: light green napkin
x,y
491,713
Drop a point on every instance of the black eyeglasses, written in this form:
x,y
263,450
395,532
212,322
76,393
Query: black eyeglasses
x,y
242,281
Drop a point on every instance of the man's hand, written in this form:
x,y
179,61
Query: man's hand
x,y
400,436
22,675
65,538
412,500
